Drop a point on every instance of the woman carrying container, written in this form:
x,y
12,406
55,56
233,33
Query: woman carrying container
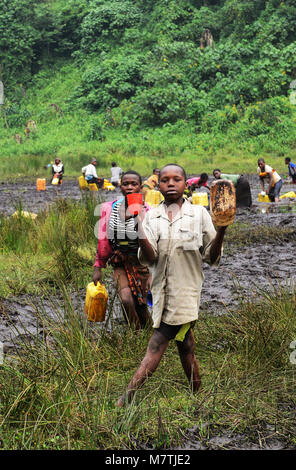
x,y
118,245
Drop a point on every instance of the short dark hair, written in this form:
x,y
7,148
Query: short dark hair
x,y
204,177
131,172
287,159
113,163
175,164
216,169
261,160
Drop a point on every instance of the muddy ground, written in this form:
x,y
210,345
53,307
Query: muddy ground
x,y
265,264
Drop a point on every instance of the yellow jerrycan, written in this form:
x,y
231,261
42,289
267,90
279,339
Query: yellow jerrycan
x,y
153,197
95,302
200,199
263,198
82,182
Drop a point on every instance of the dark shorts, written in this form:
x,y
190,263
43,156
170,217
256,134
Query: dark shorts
x,y
170,331
275,190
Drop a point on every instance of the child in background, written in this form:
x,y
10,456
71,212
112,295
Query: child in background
x,y
291,168
174,239
116,173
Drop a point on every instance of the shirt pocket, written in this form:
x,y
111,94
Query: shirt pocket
x,y
188,240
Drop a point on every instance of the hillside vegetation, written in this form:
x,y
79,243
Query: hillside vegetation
x,y
205,83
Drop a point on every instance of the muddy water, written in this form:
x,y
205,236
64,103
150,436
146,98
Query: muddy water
x,y
261,264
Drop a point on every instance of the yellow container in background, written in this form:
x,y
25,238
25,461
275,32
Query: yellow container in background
x,y
200,199
95,302
41,184
153,197
82,182
108,186
263,198
93,187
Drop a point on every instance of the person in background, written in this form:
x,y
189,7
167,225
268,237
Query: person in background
x,y
274,180
174,238
116,172
118,246
58,170
292,169
90,174
151,182
242,187
198,181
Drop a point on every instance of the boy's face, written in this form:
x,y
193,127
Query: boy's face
x,y
172,183
261,165
130,184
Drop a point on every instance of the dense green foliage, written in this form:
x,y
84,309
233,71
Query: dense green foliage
x,y
130,66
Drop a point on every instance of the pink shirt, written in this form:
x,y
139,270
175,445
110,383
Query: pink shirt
x,y
195,180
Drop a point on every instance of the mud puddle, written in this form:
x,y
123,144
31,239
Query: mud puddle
x,y
266,439
26,194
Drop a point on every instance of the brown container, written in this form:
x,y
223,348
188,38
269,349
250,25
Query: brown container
x,y
222,202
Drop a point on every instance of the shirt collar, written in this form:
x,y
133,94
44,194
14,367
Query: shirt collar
x,y
186,209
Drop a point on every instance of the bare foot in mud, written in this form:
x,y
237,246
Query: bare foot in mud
x,y
121,402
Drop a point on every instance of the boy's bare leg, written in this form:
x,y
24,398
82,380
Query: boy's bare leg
x,y
189,362
155,350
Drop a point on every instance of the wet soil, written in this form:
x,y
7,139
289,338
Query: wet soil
x,y
265,264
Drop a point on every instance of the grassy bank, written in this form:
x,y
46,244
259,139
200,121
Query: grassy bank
x,y
57,247
232,138
60,390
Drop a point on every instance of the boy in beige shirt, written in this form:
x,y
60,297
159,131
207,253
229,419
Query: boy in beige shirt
x,y
174,240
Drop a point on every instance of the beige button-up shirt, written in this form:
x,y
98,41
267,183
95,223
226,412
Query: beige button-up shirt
x,y
180,246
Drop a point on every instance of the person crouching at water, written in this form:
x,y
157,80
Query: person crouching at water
x,y
242,187
58,170
274,180
118,245
90,174
174,238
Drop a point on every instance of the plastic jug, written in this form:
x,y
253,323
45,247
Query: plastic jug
x,y
41,184
200,199
55,180
153,197
92,187
135,202
82,182
263,197
222,202
95,302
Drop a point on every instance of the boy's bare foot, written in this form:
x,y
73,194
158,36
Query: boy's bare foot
x,y
121,401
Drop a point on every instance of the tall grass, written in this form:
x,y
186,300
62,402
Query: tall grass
x,y
59,244
61,388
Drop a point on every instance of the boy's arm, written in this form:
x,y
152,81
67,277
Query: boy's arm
x,y
216,245
148,252
212,240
